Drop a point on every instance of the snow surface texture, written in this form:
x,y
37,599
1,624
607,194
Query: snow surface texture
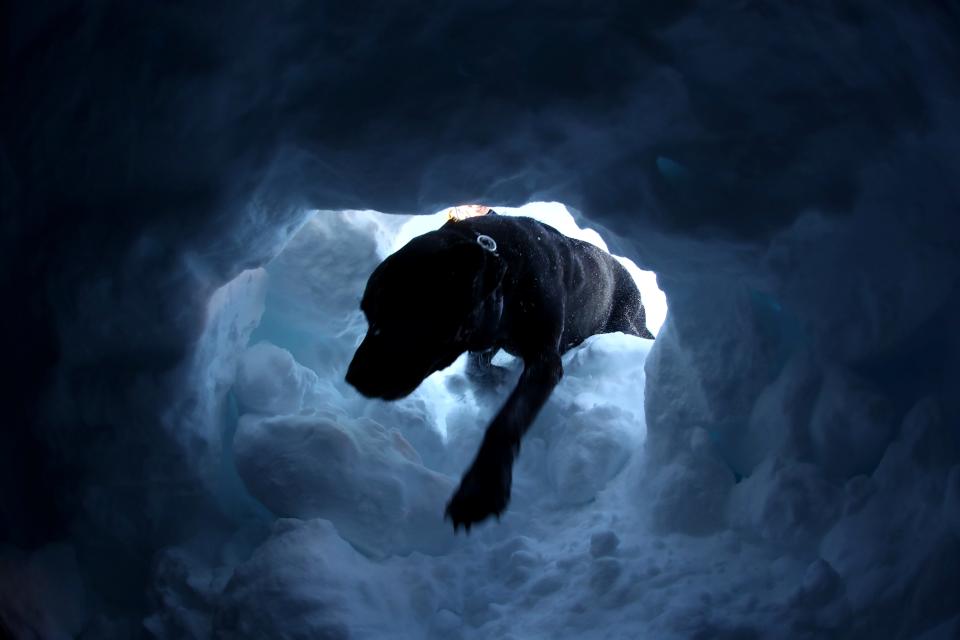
x,y
788,170
602,539
361,548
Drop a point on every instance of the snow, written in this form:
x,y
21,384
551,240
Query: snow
x,y
360,486
650,500
781,462
314,585
46,590
365,479
850,426
269,381
605,536
655,495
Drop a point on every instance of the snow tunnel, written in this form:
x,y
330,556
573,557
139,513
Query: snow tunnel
x,y
386,467
193,198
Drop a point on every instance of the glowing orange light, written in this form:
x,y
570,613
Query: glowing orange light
x,y
465,211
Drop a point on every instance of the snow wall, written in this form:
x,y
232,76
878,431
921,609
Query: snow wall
x,y
168,469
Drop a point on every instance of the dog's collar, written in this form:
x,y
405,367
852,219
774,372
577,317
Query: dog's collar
x,y
487,243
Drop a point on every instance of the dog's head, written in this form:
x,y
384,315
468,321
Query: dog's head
x,y
424,305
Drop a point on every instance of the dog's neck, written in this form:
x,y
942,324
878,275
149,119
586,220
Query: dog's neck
x,y
483,327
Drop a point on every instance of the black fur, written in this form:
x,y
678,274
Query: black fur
x,y
538,294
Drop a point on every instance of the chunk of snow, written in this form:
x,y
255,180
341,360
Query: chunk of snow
x,y
785,501
366,479
593,446
270,382
304,582
851,424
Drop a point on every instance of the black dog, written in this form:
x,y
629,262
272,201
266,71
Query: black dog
x,y
479,285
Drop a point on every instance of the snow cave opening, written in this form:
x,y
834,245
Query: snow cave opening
x,y
703,524
305,445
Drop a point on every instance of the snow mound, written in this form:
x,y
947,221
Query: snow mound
x,y
851,424
364,478
593,447
270,382
314,585
720,481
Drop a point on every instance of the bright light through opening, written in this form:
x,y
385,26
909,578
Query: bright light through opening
x,y
557,216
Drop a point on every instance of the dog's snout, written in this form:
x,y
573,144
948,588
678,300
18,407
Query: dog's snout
x,y
385,367
363,372
351,376
357,372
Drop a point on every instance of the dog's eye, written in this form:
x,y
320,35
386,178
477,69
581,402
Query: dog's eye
x,y
374,331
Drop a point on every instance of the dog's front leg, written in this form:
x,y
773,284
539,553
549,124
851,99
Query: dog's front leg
x,y
485,487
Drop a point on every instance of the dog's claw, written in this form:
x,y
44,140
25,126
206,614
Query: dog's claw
x,y
483,492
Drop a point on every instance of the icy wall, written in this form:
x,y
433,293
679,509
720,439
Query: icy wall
x,y
788,171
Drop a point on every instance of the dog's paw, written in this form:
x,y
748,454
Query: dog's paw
x,y
484,491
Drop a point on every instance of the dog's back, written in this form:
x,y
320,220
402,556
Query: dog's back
x,y
554,278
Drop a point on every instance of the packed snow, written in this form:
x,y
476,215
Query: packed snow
x,y
609,534
359,546
654,497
